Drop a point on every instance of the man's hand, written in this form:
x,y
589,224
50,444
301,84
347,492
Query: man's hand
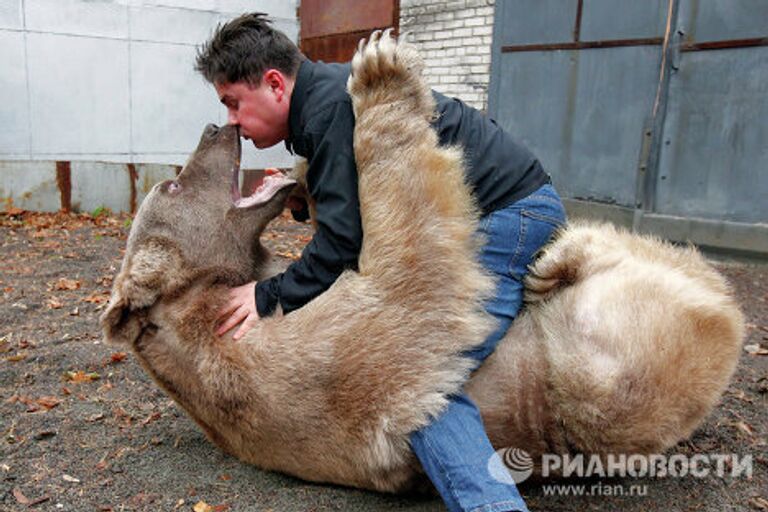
x,y
240,307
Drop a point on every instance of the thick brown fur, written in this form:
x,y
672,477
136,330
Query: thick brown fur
x,y
625,347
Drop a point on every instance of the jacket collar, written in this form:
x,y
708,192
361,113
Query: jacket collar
x,y
298,98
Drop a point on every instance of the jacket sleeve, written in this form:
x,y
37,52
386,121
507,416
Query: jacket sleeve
x,y
332,182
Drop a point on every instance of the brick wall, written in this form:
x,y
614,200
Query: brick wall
x,y
455,39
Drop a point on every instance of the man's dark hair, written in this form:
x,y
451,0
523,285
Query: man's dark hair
x,y
243,48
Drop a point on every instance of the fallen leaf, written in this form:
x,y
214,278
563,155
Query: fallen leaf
x,y
20,496
225,477
65,390
744,428
95,417
81,376
756,350
97,298
221,508
121,416
152,417
31,404
66,284
49,402
741,395
17,357
49,244
54,303
179,503
289,255
202,506
758,503
117,357
68,478
142,499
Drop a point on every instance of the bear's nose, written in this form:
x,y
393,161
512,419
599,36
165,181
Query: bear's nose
x,y
211,130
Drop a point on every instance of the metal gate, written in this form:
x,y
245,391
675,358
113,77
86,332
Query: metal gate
x,y
652,114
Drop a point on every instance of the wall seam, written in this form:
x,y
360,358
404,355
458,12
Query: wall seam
x,y
130,85
26,77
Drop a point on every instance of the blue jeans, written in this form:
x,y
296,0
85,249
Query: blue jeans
x,y
454,449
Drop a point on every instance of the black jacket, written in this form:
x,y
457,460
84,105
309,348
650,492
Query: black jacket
x,y
499,170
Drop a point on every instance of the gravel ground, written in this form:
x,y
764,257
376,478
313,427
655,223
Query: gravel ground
x,y
83,428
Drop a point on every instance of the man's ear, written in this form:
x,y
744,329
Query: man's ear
x,y
153,270
275,80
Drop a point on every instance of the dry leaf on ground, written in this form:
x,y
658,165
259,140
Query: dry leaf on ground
x,y
66,284
117,357
54,303
202,506
755,350
49,402
81,376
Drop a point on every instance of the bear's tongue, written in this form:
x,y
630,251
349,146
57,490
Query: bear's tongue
x,y
272,182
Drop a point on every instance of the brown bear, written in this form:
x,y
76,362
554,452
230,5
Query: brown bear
x,y
625,346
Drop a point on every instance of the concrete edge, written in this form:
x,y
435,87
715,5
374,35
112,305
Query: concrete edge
x,y
750,240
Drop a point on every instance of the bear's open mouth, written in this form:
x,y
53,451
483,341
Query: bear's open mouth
x,y
264,189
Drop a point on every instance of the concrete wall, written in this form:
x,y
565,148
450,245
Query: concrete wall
x,y
113,80
455,39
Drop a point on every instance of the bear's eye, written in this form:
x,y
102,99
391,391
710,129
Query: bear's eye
x,y
174,187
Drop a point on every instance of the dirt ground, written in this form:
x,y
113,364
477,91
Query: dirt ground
x,y
83,428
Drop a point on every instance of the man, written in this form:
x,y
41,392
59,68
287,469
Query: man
x,y
274,94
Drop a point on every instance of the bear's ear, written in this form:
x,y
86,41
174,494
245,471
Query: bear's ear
x,y
121,325
151,271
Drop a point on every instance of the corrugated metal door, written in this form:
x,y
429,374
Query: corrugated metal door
x,y
331,29
658,108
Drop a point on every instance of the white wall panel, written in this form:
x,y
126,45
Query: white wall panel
x,y
201,5
104,18
276,156
96,184
171,103
14,114
11,14
274,8
171,25
31,185
114,80
79,94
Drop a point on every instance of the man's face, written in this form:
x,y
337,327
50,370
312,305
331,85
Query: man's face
x,y
260,111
